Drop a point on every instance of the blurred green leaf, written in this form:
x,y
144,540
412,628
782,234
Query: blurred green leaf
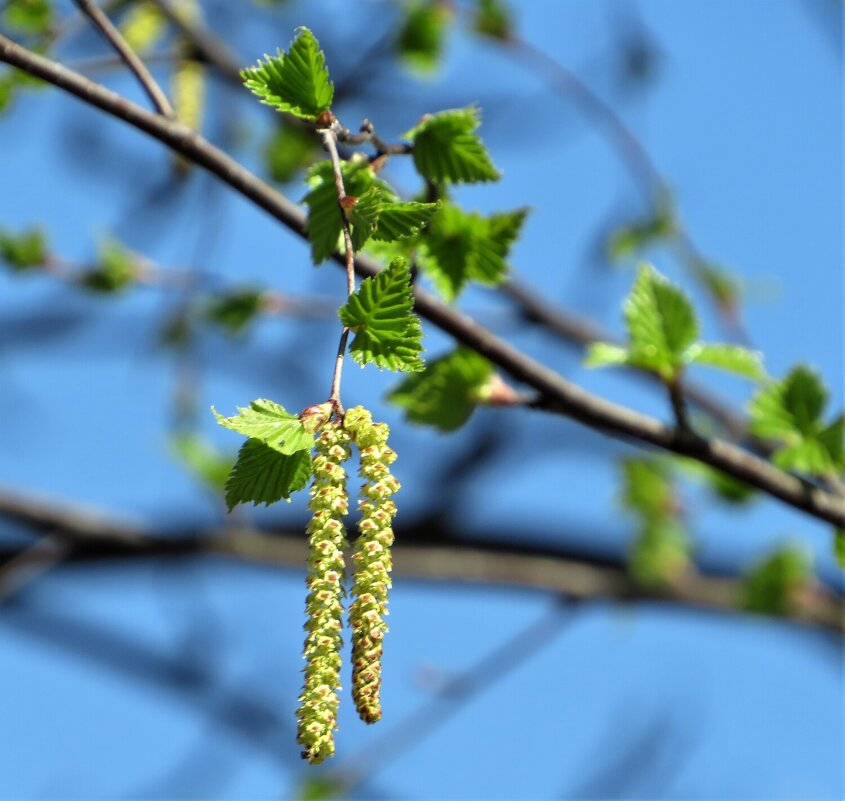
x,y
30,17
661,323
235,310
660,553
632,239
461,246
25,250
422,33
493,18
771,586
297,81
839,546
380,314
445,394
647,489
790,411
143,26
203,460
265,475
115,268
290,150
446,149
733,358
605,354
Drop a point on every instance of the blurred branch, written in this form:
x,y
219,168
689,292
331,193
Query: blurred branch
x,y
556,394
491,558
127,55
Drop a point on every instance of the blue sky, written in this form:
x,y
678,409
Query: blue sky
x,y
135,680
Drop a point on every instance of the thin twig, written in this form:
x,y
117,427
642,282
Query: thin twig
x,y
329,137
128,55
557,394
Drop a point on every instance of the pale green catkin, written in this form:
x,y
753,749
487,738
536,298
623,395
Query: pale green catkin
x,y
372,560
329,503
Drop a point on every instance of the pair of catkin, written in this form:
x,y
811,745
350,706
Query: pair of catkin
x,y
329,503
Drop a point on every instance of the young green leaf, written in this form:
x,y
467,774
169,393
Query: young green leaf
x,y
462,246
381,315
647,489
325,223
630,240
605,354
377,214
661,323
421,37
297,81
660,553
114,270
270,423
446,149
791,411
445,394
733,358
264,475
25,250
771,586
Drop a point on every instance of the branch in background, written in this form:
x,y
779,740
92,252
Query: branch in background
x,y
556,394
92,536
128,55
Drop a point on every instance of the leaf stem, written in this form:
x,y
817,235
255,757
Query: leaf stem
x,y
329,136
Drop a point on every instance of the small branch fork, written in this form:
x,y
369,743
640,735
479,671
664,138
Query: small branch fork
x,y
128,55
555,393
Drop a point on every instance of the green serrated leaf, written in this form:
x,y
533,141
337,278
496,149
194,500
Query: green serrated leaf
x,y
771,586
297,81
325,222
114,270
381,315
289,151
265,475
808,455
377,214
462,246
30,17
203,460
235,310
269,422
25,250
605,354
733,358
445,394
446,149
422,34
661,323
493,18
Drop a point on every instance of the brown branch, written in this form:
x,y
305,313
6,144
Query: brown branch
x,y
91,536
556,394
128,55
